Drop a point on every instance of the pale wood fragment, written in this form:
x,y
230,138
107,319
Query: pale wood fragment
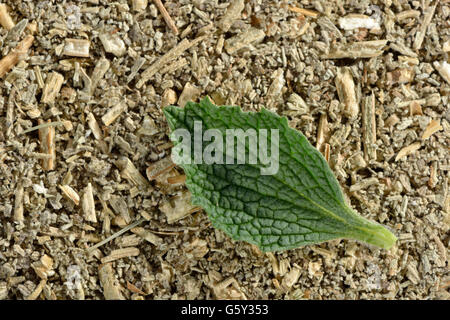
x,y
147,235
121,253
139,5
407,150
401,75
113,43
444,69
407,14
43,267
232,13
93,125
421,32
88,204
19,53
113,113
356,21
172,54
190,93
166,16
415,109
37,291
433,127
52,87
47,145
172,67
243,39
305,12
369,127
70,193
391,121
101,67
360,49
178,207
322,132
5,19
132,174
111,287
347,93
76,48
18,203
169,97
364,184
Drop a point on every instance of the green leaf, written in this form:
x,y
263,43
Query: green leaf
x,y
299,205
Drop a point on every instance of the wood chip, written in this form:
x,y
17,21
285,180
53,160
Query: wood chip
x,y
415,109
166,16
407,150
190,93
433,127
323,132
347,93
169,97
401,75
113,43
139,5
147,235
47,144
93,125
364,184
5,19
132,174
407,14
18,203
52,87
369,127
113,113
356,21
111,287
70,193
422,30
36,292
76,48
120,254
444,69
172,54
232,13
361,49
16,55
305,12
101,67
243,39
178,207
88,204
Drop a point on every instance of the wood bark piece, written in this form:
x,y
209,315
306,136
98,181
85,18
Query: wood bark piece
x,y
52,87
421,32
121,253
113,113
111,287
406,151
347,93
77,48
232,13
243,40
19,53
47,141
433,127
5,19
166,16
88,204
70,193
